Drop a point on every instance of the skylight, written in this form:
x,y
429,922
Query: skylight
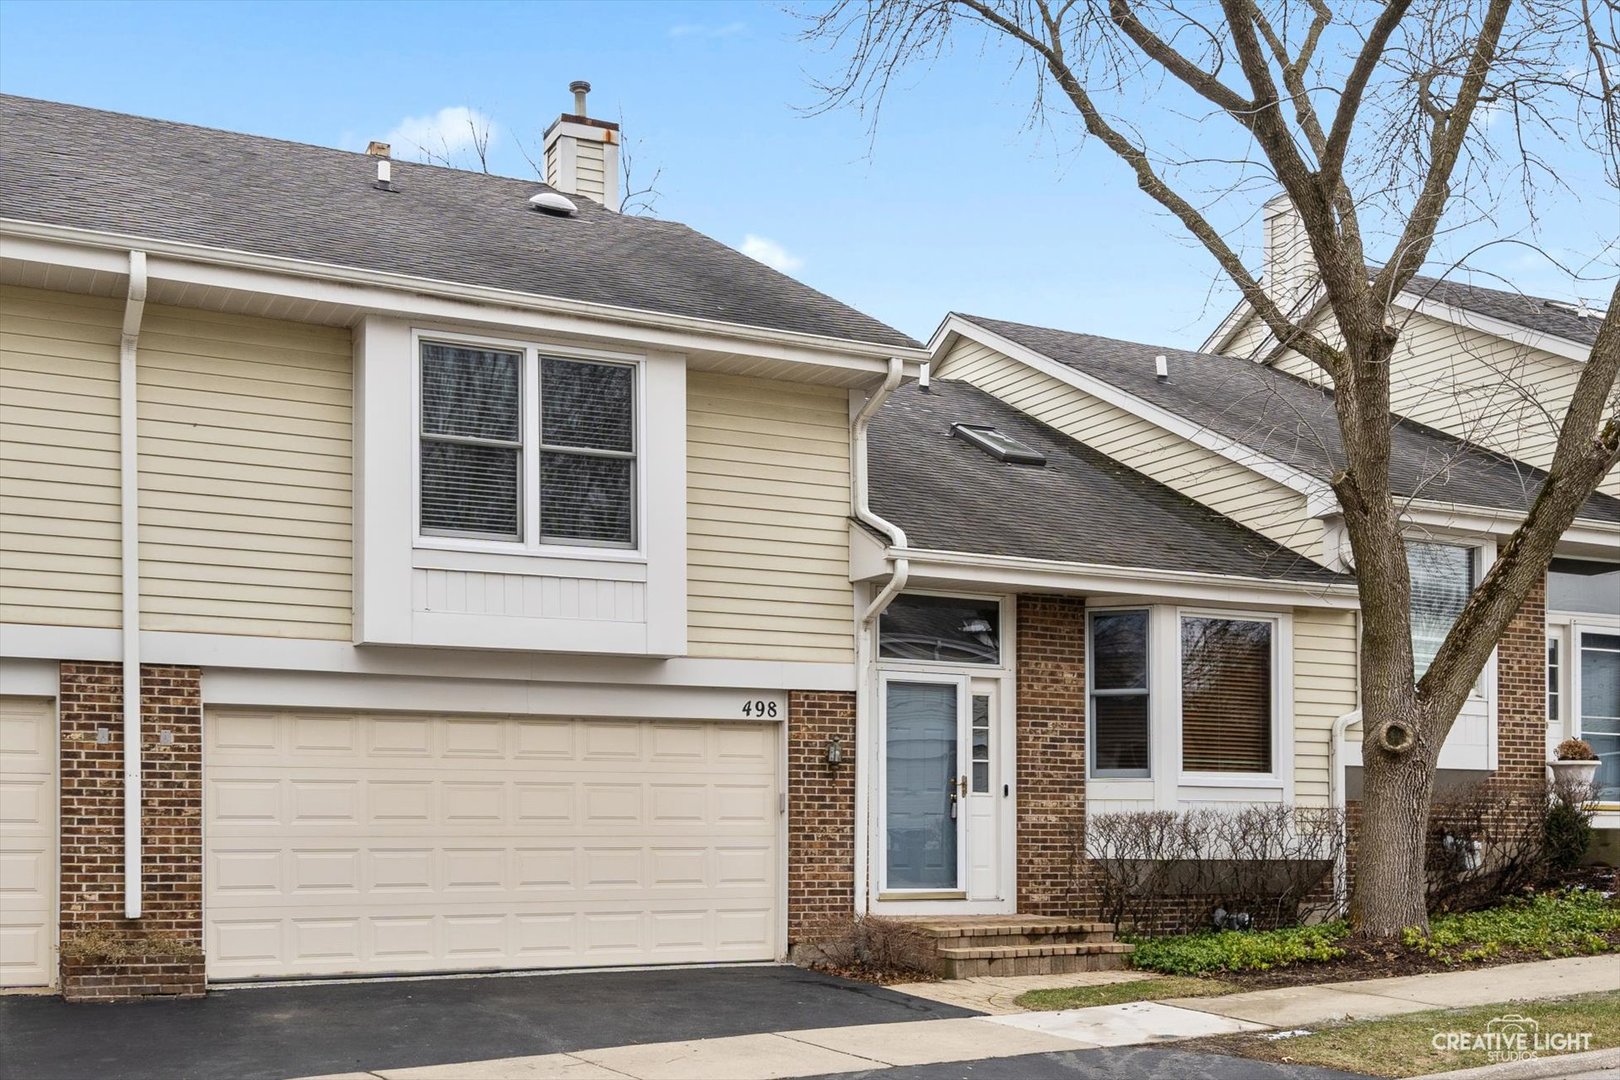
x,y
1000,446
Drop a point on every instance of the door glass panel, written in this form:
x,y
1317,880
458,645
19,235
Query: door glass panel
x,y
920,736
981,744
1600,708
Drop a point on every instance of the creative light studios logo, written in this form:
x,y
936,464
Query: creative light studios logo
x,y
1513,1038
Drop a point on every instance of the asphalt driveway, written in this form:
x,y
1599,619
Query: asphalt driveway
x,y
276,1032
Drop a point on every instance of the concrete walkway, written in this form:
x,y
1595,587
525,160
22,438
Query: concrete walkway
x,y
861,1048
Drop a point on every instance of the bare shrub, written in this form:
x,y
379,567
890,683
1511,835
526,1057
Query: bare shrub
x,y
871,947
1257,865
1484,845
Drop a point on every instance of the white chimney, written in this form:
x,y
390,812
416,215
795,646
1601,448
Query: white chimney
x,y
1289,269
582,155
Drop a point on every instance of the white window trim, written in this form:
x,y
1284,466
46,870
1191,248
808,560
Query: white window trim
x,y
1578,625
1169,782
532,352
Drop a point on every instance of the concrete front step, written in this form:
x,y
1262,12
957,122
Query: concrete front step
x,y
997,925
1011,951
992,941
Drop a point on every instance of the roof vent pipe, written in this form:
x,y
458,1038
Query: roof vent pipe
x,y
922,377
580,88
1161,368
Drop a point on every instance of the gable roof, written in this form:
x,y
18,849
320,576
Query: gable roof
x,y
1081,506
84,168
1289,420
1538,313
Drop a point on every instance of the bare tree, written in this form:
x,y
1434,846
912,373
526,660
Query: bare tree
x,y
1393,121
480,129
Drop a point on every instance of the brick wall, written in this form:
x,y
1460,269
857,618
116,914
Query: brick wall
x,y
821,809
92,828
1051,738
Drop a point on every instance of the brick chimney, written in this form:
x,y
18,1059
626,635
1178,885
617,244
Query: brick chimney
x,y
582,155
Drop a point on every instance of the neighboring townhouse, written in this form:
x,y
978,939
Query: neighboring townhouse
x,y
483,554
1497,368
1253,447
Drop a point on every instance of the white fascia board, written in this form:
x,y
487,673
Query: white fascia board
x,y
1473,320
1233,451
21,642
1484,521
1004,572
376,291
1228,328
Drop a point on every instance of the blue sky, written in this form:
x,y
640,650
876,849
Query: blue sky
x,y
956,205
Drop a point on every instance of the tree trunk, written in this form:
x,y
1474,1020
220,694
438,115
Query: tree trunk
x,y
1390,884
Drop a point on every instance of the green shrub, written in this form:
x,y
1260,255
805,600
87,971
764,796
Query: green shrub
x,y
1237,950
1567,834
1552,924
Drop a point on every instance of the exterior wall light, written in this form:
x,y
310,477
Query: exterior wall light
x,y
835,750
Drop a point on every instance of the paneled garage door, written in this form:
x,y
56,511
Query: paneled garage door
x,y
372,843
27,840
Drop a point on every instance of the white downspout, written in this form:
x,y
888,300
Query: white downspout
x,y
130,567
1337,801
860,506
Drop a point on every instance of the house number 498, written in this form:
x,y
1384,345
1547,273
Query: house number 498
x,y
759,708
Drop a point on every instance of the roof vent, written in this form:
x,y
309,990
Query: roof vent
x,y
1161,368
553,202
997,445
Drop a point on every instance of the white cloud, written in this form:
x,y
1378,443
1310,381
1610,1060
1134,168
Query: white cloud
x,y
708,30
770,253
447,133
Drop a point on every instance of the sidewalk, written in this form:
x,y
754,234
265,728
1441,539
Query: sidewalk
x,y
861,1048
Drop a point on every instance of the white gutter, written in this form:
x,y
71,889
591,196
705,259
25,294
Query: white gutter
x,y
130,567
860,506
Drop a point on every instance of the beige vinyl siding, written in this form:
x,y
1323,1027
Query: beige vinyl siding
x,y
767,506
1245,496
59,484
1324,690
245,466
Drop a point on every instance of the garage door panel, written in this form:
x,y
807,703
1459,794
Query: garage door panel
x,y
27,841
335,846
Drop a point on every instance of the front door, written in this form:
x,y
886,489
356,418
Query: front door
x,y
943,788
1598,700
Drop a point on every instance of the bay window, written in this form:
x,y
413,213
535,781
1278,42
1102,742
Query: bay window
x,y
527,448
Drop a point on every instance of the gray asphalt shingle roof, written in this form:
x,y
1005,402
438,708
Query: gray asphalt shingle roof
x,y
1081,506
1290,420
85,168
1531,312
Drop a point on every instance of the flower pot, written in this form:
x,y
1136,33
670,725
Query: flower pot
x,y
1578,773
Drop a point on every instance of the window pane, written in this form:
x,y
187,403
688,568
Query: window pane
x,y
1119,650
586,498
1442,578
469,489
590,406
1552,679
471,393
1119,736
941,628
920,764
1225,695
1600,708
1581,585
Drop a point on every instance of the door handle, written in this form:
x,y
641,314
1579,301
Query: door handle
x,y
961,785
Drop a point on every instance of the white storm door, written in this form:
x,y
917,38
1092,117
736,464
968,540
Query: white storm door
x,y
922,784
1597,703
983,797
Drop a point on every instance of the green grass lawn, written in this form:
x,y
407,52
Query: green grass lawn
x,y
1407,1045
1118,993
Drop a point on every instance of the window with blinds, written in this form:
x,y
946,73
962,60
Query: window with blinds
x,y
1442,577
1119,700
1226,695
472,441
478,471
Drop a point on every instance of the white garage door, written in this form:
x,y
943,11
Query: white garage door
x,y
377,843
27,840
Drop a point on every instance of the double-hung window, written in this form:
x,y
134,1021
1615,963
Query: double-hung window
x,y
529,448
1119,699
